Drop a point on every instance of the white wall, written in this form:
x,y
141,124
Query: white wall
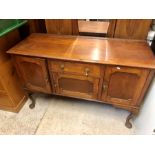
x,y
145,121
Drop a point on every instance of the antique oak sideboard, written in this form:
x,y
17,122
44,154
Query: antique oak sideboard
x,y
112,71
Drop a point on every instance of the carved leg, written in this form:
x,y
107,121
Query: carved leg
x,y
128,123
32,105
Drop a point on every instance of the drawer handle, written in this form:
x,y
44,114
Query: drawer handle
x,y
87,70
105,87
62,66
118,68
46,79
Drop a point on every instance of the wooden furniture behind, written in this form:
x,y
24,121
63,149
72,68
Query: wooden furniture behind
x,y
32,26
115,28
12,96
131,28
113,71
62,26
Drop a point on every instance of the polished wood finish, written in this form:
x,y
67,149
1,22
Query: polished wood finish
x,y
12,96
76,85
123,85
85,69
87,49
132,28
113,71
62,26
111,28
93,27
34,73
75,79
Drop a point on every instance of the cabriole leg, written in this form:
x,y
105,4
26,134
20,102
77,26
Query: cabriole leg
x,y
32,105
128,123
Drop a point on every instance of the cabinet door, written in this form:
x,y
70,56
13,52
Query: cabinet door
x,y
123,85
76,85
34,73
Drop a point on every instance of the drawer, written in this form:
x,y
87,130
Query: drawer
x,y
5,100
86,69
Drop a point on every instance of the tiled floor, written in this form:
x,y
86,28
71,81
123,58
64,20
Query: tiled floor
x,y
58,115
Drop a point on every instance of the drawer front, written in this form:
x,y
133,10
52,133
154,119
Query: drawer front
x,y
75,68
5,100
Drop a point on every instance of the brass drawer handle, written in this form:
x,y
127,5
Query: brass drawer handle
x,y
105,87
62,66
46,79
87,70
118,68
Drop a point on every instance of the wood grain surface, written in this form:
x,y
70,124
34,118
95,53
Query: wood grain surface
x,y
133,53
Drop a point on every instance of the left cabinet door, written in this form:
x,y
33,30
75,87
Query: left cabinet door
x,y
33,72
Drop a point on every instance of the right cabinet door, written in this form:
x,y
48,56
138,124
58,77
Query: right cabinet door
x,y
123,85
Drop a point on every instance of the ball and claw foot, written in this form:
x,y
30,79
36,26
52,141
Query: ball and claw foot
x,y
128,123
32,105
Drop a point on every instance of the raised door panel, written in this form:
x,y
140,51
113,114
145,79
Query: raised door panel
x,y
123,85
76,85
34,73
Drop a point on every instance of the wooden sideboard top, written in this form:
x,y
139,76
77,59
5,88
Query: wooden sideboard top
x,y
87,49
